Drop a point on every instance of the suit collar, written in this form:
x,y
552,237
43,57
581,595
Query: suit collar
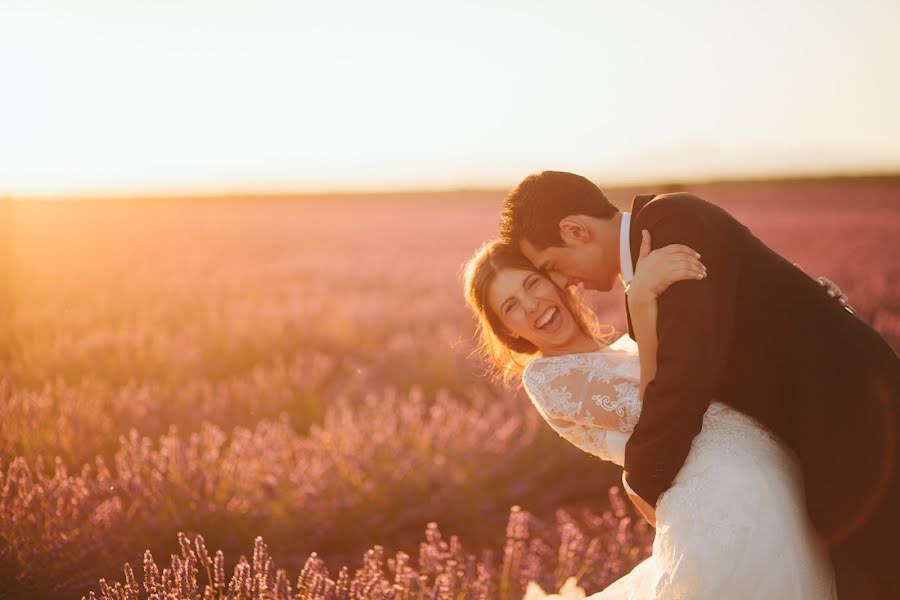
x,y
626,269
634,238
634,234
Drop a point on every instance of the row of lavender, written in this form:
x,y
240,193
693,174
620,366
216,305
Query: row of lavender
x,y
596,549
378,467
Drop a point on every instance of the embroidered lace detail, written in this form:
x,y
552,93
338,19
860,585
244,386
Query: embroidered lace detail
x,y
608,378
590,439
591,399
627,404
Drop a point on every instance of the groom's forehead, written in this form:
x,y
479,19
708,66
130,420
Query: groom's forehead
x,y
530,251
534,254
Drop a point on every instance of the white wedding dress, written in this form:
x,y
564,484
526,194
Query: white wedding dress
x,y
733,525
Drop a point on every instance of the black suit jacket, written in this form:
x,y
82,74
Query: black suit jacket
x,y
760,335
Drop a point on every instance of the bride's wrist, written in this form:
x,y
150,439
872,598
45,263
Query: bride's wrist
x,y
638,296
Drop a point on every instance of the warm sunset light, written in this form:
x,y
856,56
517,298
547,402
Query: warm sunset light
x,y
133,96
499,300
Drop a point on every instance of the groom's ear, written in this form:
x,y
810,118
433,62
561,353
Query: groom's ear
x,y
573,229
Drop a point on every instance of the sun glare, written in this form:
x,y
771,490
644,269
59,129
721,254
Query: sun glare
x,y
134,97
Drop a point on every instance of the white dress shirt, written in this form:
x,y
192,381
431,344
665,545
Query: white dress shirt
x,y
625,249
627,276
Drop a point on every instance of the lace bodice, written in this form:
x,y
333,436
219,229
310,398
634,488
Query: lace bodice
x,y
592,399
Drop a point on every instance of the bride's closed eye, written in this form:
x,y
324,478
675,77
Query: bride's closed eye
x,y
511,302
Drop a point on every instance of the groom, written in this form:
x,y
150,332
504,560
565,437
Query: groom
x,y
757,334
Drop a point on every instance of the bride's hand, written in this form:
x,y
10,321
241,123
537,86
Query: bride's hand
x,y
657,270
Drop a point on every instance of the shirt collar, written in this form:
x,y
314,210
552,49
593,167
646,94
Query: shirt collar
x,y
625,248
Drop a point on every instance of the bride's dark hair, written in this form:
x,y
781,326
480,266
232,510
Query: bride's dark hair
x,y
506,354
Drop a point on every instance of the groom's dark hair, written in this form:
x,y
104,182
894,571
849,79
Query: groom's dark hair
x,y
534,208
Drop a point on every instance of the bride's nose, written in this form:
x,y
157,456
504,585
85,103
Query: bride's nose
x,y
530,303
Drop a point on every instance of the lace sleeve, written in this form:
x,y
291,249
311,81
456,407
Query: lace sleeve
x,y
595,389
591,399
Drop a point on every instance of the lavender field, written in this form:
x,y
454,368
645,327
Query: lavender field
x,y
289,382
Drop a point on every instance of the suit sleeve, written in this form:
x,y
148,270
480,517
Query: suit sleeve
x,y
694,328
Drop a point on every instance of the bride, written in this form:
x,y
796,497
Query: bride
x,y
733,524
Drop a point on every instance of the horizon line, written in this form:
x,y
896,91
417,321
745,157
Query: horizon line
x,y
285,193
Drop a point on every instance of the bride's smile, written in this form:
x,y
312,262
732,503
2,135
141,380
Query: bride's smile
x,y
530,307
550,320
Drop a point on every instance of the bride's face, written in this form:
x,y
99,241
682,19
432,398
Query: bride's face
x,y
530,307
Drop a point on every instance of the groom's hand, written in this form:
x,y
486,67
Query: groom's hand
x,y
833,291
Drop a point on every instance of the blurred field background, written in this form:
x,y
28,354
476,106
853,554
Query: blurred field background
x,y
298,368
214,386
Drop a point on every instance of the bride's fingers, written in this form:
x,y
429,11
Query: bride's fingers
x,y
686,262
680,248
689,255
679,255
682,274
676,248
684,265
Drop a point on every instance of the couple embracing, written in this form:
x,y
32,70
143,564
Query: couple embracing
x,y
756,418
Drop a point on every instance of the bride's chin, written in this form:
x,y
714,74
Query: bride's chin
x,y
560,336
569,331
565,325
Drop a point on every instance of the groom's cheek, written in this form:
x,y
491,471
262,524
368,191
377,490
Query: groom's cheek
x,y
599,286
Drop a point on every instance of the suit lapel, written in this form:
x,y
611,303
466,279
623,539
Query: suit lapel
x,y
634,242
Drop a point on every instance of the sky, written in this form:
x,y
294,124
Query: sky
x,y
206,96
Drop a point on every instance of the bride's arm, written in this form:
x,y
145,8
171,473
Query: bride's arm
x,y
578,395
643,318
653,275
645,287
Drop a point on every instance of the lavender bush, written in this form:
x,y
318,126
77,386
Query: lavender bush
x,y
385,464
595,548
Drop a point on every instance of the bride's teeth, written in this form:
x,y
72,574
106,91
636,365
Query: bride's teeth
x,y
547,316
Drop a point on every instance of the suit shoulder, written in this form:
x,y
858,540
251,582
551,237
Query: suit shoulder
x,y
675,204
677,199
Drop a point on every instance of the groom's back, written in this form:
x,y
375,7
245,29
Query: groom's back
x,y
817,376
